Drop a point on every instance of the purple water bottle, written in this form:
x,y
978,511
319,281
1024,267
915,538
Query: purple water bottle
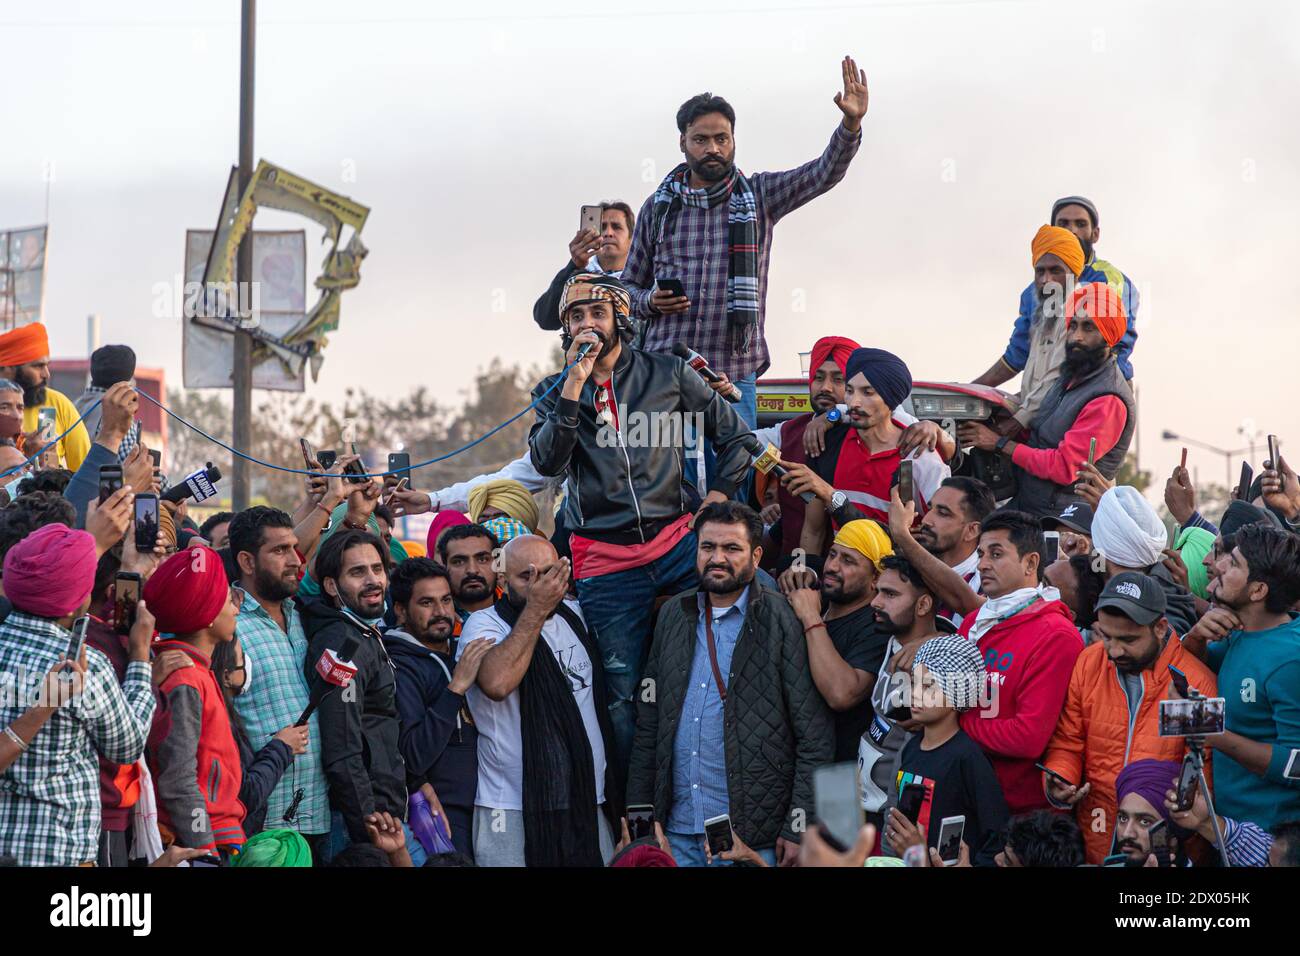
x,y
422,823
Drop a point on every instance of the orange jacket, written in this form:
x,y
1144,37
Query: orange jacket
x,y
1093,741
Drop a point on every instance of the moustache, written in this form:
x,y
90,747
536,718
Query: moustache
x,y
473,579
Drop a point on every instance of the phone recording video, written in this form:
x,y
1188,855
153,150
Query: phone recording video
x,y
355,470
910,801
951,830
1051,547
399,468
76,644
126,596
110,481
1187,781
327,457
640,820
906,488
146,522
1191,718
717,831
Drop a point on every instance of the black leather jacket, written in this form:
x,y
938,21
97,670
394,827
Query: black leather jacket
x,y
624,485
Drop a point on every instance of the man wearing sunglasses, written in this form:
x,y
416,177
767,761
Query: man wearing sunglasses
x,y
614,429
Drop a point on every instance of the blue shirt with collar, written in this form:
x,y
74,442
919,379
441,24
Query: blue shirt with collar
x,y
699,751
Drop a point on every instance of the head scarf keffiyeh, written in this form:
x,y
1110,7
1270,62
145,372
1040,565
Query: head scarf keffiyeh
x,y
742,243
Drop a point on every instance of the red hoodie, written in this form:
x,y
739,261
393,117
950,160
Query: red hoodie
x,y
1030,657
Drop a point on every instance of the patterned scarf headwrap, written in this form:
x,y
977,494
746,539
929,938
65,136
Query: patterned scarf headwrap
x,y
742,243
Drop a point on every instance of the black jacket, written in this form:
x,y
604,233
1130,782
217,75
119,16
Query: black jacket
x,y
438,741
359,728
260,773
777,726
624,486
546,311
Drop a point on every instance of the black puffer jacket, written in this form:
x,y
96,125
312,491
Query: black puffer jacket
x,y
624,485
777,727
358,730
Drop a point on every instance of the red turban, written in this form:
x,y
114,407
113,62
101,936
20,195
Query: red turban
x,y
833,347
51,572
188,591
1100,303
28,343
441,522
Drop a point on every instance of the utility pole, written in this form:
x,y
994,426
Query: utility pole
x,y
243,358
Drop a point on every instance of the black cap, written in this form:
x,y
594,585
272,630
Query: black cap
x,y
110,364
1077,516
1083,201
1135,595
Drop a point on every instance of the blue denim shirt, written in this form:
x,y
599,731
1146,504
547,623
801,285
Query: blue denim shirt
x,y
699,753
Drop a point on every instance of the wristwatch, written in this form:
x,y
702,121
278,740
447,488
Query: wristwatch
x,y
1002,443
838,500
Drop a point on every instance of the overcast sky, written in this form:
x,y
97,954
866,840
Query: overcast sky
x,y
475,137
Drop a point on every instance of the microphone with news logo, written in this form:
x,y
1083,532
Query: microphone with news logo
x,y
768,461
333,669
697,361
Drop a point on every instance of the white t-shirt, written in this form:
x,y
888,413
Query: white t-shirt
x,y
969,566
500,741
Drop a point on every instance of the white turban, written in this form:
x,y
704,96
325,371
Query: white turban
x,y
1126,529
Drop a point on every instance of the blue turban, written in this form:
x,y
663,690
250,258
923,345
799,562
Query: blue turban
x,y
886,372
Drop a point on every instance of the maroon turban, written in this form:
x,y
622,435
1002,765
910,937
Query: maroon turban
x,y
441,522
1149,779
835,348
643,854
188,591
51,572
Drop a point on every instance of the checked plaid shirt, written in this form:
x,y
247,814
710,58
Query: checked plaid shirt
x,y
49,796
694,249
276,699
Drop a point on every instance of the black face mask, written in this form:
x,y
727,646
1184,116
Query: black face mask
x,y
1081,361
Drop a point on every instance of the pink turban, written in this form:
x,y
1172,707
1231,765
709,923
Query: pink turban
x,y
441,522
51,572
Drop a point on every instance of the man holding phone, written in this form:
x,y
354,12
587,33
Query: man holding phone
x,y
1089,401
25,358
50,815
1111,713
607,427
109,364
710,226
599,251
1250,639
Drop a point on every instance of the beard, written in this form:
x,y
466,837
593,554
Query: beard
x,y
886,624
273,587
834,590
1081,361
1087,249
927,539
823,402
438,629
357,603
33,395
709,171
516,599
472,588
727,583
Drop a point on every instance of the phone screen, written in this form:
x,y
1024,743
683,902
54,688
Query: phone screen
x,y
906,491
327,457
126,595
146,522
950,834
110,481
46,419
838,801
307,453
1187,781
718,832
640,820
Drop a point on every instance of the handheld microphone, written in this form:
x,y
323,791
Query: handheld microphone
x,y
582,351
768,462
697,361
200,486
334,669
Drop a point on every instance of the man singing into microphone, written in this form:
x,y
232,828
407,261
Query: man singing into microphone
x,y
613,429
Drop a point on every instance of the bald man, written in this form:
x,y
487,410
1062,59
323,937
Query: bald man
x,y
547,795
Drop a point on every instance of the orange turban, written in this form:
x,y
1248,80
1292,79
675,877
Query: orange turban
x,y
1061,243
1100,303
28,343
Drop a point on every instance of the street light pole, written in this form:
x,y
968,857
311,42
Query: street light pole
x,y
243,355
1226,453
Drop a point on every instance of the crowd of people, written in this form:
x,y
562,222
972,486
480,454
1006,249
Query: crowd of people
x,y
639,644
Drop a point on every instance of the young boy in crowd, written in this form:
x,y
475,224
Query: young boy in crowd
x,y
192,750
954,776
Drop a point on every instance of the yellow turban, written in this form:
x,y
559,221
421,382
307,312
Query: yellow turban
x,y
507,495
1061,243
867,538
